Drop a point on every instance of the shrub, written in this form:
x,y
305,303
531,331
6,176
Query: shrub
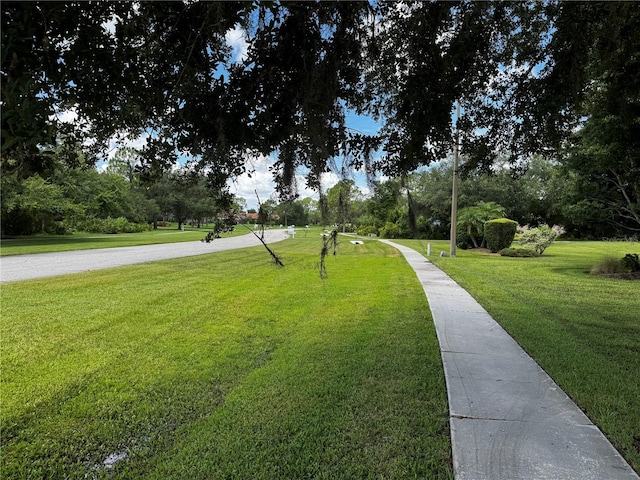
x,y
608,265
367,230
112,226
393,230
631,262
499,233
518,252
538,239
390,230
61,228
463,239
611,265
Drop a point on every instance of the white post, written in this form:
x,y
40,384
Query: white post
x,y
454,191
428,249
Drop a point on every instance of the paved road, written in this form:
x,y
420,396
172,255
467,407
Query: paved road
x,y
24,267
509,420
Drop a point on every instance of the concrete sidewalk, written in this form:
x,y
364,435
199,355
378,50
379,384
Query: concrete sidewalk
x,y
25,267
509,419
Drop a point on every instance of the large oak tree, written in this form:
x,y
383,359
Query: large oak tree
x,y
528,75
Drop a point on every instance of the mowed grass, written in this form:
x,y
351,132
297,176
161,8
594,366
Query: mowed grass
x,y
44,243
584,330
223,366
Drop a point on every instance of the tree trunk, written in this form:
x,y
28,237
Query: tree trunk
x,y
473,239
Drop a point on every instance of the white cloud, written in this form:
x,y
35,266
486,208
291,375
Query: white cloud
x,y
68,116
260,179
405,10
327,180
247,185
116,143
236,38
110,25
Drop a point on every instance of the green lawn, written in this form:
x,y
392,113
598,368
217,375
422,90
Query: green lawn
x,y
222,366
43,243
584,330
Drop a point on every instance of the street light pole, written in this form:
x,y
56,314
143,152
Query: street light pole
x,y
454,190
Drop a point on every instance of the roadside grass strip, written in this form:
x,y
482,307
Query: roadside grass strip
x,y
223,366
45,243
582,329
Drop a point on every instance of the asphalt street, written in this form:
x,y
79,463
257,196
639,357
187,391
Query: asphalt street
x,y
14,268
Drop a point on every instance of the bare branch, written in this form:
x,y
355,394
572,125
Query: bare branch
x,y
329,243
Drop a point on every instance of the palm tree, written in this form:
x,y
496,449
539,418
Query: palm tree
x,y
473,219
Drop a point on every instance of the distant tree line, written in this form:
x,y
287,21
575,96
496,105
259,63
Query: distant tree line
x,y
79,198
541,192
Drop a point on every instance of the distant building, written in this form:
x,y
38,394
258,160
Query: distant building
x,y
243,217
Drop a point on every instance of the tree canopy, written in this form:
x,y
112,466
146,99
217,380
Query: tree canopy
x,y
528,76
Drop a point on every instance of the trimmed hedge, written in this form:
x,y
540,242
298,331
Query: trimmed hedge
x,y
499,233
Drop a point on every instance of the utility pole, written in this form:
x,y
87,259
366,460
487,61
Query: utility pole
x,y
454,191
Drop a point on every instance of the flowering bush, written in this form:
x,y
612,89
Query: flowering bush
x,y
538,239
